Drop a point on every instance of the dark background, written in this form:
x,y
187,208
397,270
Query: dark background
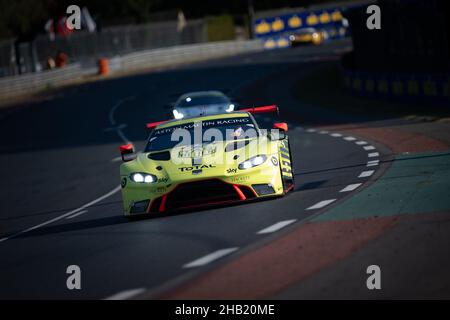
x,y
25,18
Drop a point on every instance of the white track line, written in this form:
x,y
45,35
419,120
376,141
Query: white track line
x,y
76,214
365,174
373,163
311,130
350,138
277,226
323,132
351,187
373,154
127,294
321,204
119,128
336,135
369,148
209,258
83,207
360,143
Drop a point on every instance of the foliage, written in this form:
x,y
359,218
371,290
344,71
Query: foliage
x,y
220,28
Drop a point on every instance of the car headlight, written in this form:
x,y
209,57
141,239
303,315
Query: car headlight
x,y
230,108
252,162
139,177
177,115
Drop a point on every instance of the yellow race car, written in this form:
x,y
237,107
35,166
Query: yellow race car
x,y
307,36
203,161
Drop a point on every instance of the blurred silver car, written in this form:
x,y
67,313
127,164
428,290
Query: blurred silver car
x,y
200,103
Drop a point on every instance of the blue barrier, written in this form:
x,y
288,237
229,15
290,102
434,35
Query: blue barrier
x,y
274,31
402,86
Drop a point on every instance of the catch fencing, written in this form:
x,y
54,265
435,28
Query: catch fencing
x,y
85,47
16,86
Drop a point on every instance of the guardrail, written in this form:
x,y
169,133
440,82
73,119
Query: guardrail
x,y
15,86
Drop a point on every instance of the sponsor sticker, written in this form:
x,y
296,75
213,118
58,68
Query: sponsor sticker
x,y
240,178
198,167
274,161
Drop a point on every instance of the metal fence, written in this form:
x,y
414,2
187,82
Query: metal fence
x,y
8,64
86,48
15,86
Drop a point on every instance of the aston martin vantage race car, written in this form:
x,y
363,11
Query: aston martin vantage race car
x,y
209,160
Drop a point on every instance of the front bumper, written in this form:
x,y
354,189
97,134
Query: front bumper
x,y
247,185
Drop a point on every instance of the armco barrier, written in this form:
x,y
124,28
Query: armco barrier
x,y
399,86
188,53
11,87
15,86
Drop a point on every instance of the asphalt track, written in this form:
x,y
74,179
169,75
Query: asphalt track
x,y
59,199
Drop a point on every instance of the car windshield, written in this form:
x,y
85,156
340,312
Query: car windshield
x,y
211,131
202,100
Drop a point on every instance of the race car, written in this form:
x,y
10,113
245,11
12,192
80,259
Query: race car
x,y
200,103
205,161
307,36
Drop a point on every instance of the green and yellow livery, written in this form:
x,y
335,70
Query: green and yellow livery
x,y
204,161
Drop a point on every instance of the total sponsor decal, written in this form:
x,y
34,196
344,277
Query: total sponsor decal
x,y
197,167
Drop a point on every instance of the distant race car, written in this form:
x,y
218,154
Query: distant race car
x,y
307,36
200,103
220,159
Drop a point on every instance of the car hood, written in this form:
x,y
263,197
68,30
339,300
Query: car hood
x,y
199,162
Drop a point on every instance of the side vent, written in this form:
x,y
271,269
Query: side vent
x,y
160,156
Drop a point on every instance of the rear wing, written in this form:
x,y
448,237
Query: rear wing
x,y
263,109
153,125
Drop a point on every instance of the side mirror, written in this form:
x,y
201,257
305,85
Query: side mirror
x,y
127,152
280,131
282,126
